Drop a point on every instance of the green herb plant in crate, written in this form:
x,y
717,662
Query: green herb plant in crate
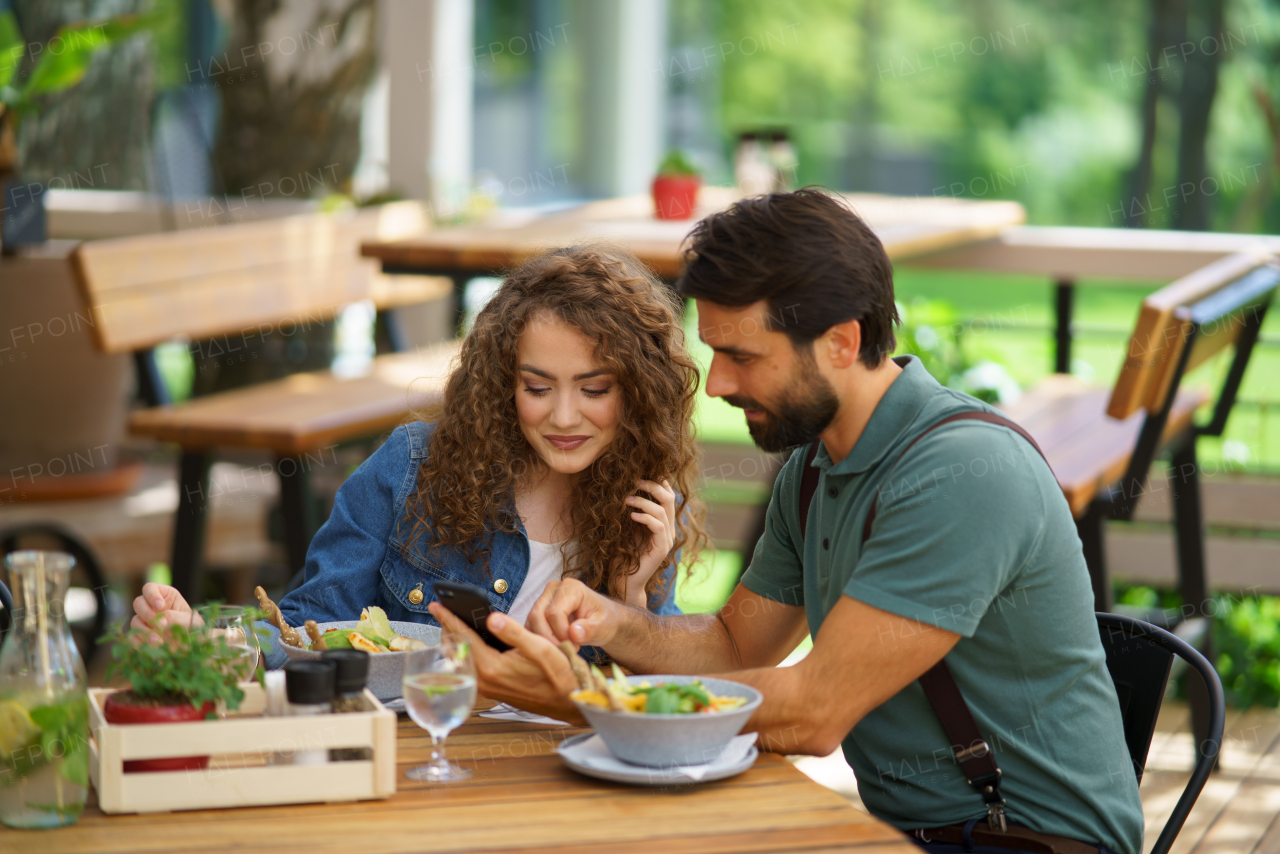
x,y
177,673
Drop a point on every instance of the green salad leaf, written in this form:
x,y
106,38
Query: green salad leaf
x,y
673,699
337,639
375,626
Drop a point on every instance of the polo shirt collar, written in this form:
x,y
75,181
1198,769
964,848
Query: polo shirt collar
x,y
901,403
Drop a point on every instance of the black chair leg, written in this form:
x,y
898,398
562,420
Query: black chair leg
x,y
460,281
1192,581
297,508
1090,527
189,524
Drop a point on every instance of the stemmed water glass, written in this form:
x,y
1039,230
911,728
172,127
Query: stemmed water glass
x,y
229,622
439,693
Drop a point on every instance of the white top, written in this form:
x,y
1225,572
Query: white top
x,y
546,564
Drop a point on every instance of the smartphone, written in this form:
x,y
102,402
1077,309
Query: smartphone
x,y
471,605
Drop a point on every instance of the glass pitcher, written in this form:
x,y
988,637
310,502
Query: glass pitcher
x,y
44,700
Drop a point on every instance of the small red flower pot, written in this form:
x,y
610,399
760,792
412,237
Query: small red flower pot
x,y
119,710
675,196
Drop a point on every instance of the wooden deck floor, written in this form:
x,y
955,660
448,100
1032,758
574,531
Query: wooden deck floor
x,y
1237,811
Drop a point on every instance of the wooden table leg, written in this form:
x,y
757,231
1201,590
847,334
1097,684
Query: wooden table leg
x,y
189,524
297,508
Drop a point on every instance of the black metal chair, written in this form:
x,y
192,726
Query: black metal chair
x,y
87,574
1139,657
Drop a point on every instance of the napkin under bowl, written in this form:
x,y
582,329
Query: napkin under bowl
x,y
662,741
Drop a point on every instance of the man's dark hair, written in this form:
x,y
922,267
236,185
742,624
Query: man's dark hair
x,y
814,260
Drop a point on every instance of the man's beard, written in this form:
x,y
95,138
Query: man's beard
x,y
802,411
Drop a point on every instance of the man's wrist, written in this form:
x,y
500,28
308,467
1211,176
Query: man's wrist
x,y
629,623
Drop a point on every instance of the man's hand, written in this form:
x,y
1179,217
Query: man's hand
x,y
570,610
534,675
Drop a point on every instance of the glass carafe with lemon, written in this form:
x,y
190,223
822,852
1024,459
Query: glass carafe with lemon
x,y
44,707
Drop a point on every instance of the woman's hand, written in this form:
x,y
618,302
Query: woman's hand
x,y
165,602
533,675
659,516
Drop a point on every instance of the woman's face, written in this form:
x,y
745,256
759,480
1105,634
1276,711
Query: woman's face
x,y
567,402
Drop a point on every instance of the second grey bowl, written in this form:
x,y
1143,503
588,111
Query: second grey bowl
x,y
386,669
661,741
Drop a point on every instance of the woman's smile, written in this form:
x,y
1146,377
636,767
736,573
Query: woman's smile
x,y
567,443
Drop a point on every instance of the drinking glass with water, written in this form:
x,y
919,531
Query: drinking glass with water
x,y
439,693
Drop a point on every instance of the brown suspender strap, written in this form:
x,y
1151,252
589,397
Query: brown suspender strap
x,y
809,475
972,753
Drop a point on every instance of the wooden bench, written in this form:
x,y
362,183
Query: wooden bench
x,y
1101,443
240,282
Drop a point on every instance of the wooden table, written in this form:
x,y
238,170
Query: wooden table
x,y
306,413
522,798
908,227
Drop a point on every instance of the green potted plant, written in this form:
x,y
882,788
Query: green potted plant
x,y
176,674
675,190
61,64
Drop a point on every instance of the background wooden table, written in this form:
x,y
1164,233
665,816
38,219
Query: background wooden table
x,y
522,798
908,227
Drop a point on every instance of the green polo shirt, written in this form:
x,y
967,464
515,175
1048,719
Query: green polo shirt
x,y
973,535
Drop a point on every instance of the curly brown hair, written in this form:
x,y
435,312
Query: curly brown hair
x,y
478,454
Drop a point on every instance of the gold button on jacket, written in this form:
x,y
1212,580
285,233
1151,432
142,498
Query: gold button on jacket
x,y
500,585
415,596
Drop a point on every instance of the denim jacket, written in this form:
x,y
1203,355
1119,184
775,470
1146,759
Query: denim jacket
x,y
360,556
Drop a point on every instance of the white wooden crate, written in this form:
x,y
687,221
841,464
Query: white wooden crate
x,y
238,775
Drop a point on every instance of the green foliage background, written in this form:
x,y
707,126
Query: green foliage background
x,y
1039,99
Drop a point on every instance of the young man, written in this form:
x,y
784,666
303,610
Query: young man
x,y
970,554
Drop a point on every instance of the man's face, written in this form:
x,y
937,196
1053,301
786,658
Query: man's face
x,y
786,400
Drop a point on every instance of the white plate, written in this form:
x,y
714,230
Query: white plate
x,y
649,776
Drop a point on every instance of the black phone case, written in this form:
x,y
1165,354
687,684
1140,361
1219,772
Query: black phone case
x,y
471,605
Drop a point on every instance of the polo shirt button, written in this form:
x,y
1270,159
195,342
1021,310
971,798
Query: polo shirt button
x,y
833,492
500,586
826,544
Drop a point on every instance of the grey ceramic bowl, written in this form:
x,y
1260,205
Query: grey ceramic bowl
x,y
659,741
386,669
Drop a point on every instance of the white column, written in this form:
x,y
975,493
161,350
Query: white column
x,y
639,113
625,122
427,55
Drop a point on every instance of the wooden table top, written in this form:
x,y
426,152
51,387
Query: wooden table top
x,y
305,412
907,227
521,798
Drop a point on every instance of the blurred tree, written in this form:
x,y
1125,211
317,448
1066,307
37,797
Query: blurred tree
x,y
1168,27
292,79
1199,86
95,135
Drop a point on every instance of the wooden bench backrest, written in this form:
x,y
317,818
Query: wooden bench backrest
x,y
209,281
1160,335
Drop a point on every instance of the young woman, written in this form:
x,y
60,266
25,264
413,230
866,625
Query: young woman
x,y
564,448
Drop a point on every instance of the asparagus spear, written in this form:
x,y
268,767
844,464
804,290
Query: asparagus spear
x,y
577,664
288,633
317,637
